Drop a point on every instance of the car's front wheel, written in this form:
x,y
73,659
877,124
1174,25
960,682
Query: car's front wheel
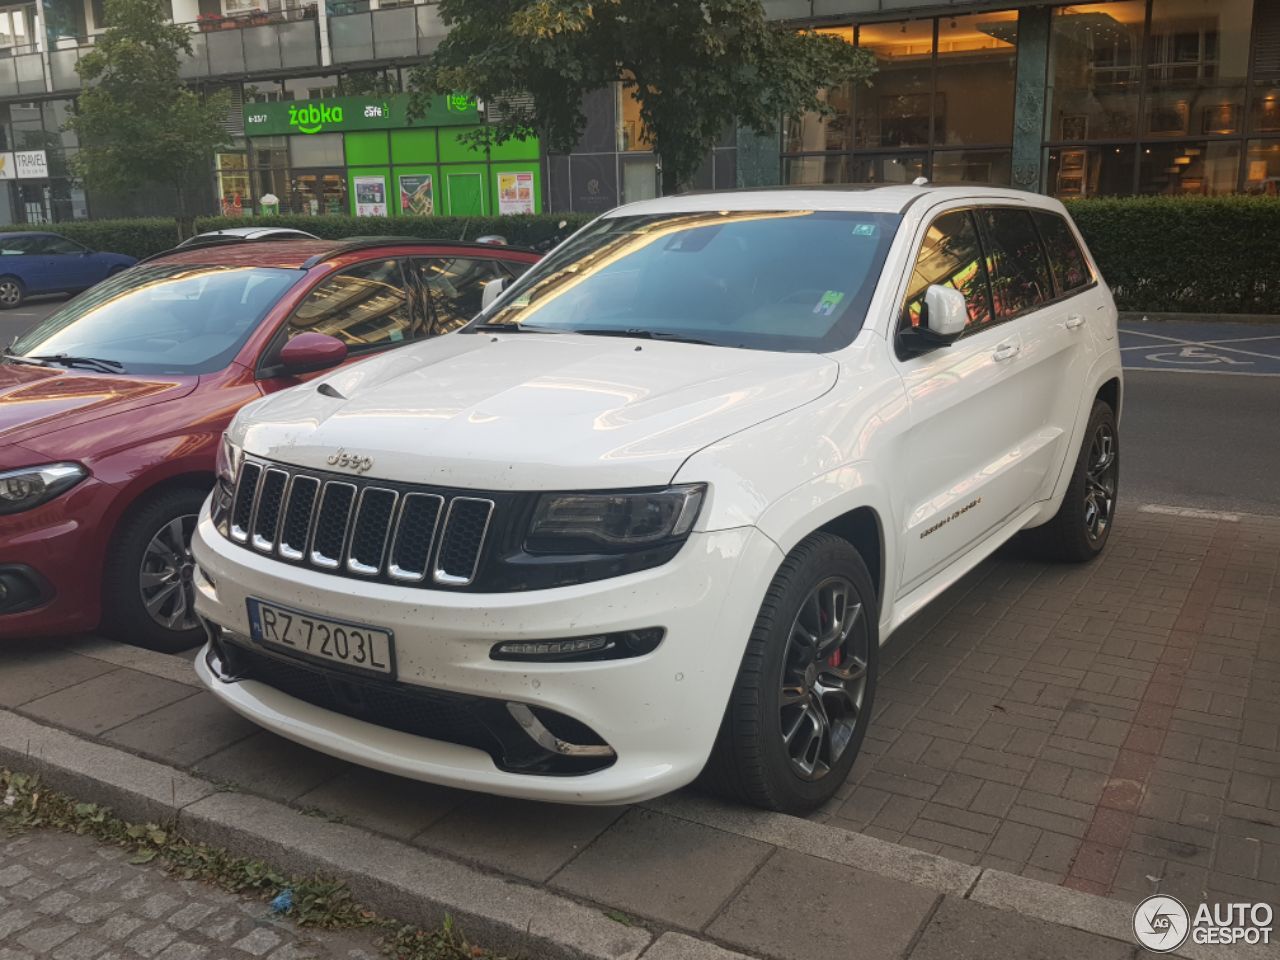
x,y
802,699
12,293
149,587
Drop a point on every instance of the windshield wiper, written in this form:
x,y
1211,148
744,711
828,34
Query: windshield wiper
x,y
644,335
94,363
512,328
19,358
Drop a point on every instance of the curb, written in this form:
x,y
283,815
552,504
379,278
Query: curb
x,y
1157,316
509,915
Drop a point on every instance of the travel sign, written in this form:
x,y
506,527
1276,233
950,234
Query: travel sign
x,y
343,114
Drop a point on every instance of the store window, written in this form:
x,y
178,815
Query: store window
x,y
975,79
317,150
317,192
310,88
1202,167
1089,171
972,166
897,109
1197,63
632,135
1262,168
1095,71
231,171
365,307
818,169
814,131
262,91
892,168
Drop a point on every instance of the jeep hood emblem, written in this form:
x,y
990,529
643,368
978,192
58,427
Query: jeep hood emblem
x,y
350,461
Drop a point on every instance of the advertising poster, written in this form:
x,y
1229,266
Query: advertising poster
x,y
371,197
515,192
416,198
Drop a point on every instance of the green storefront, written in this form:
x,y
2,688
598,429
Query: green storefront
x,y
364,156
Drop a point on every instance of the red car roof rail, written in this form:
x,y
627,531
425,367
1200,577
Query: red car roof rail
x,y
355,244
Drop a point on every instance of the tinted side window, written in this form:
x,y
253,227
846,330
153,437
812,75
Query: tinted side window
x,y
365,307
455,287
1070,271
1015,260
952,256
16,246
61,245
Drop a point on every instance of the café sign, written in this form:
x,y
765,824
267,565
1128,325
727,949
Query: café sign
x,y
343,114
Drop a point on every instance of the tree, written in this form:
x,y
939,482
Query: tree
x,y
693,67
136,120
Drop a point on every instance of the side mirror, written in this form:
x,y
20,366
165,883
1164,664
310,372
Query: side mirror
x,y
308,352
492,290
942,319
945,311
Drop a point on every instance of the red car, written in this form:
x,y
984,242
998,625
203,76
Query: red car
x,y
112,409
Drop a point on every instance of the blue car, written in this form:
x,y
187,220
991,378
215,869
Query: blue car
x,y
32,263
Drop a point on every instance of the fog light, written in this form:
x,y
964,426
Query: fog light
x,y
605,646
20,589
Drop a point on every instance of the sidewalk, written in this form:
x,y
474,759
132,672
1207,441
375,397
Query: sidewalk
x,y
1043,734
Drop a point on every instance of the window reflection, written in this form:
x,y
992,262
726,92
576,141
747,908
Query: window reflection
x,y
951,256
896,110
972,166
1081,171
1196,67
1016,261
1094,70
1202,167
813,131
977,64
1262,168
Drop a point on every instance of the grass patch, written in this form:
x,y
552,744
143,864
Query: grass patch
x,y
311,901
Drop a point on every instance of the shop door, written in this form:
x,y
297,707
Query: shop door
x,y
465,193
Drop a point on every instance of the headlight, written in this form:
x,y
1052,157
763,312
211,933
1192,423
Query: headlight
x,y
613,522
32,486
228,461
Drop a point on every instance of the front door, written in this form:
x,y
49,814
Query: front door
x,y
965,441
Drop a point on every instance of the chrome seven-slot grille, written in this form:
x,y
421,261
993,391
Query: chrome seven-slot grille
x,y
359,528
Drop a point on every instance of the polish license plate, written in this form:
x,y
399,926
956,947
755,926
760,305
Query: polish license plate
x,y
319,638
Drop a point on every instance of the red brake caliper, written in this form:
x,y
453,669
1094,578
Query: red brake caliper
x,y
835,658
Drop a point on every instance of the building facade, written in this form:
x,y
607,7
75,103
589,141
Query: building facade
x,y
1079,99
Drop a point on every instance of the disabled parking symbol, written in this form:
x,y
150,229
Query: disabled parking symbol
x,y
1197,356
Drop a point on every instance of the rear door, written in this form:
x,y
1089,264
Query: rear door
x,y
1051,367
962,444
70,265
22,256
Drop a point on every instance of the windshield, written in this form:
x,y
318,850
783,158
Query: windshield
x,y
162,318
797,280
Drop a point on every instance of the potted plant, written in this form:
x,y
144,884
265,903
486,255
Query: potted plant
x,y
209,21
259,17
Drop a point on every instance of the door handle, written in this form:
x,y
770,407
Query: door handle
x,y
1074,321
1005,351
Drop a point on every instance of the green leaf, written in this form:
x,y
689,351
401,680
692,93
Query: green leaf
x,y
144,856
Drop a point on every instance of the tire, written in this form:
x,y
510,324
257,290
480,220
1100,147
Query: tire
x,y
753,761
1080,529
146,546
12,293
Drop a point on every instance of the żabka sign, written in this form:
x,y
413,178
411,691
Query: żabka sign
x,y
312,117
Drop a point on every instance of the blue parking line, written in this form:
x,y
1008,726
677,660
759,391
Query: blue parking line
x,y
1230,348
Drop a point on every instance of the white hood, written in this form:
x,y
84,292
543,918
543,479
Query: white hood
x,y
532,411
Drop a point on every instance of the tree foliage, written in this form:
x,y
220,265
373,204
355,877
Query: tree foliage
x,y
136,120
694,67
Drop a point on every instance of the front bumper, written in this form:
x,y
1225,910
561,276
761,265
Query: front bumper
x,y
57,547
659,712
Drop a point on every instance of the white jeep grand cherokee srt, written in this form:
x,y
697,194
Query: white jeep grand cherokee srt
x,y
653,512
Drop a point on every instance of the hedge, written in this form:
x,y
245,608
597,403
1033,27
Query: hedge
x,y
141,238
1186,254
1181,254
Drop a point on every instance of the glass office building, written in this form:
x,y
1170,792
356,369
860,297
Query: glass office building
x,y
1076,100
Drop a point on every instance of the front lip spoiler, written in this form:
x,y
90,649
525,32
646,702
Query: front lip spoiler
x,y
521,741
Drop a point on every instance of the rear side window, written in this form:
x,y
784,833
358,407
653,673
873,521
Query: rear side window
x,y
455,288
950,255
1066,259
1015,260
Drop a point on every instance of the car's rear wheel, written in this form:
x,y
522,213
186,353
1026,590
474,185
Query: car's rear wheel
x,y
802,699
1082,525
149,588
12,293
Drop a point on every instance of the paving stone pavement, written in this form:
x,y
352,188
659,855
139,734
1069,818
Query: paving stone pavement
x,y
68,897
1112,727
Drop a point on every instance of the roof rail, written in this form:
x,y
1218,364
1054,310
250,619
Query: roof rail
x,y
215,240
354,244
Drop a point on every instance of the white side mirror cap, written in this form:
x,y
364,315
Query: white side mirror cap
x,y
946,312
493,289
